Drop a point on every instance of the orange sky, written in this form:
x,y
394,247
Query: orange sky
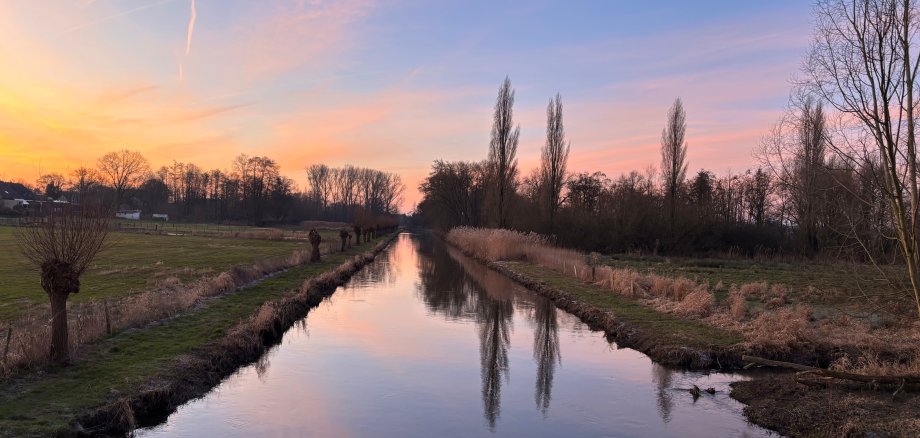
x,y
361,82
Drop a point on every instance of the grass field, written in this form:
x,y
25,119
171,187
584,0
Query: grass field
x,y
133,262
835,283
41,405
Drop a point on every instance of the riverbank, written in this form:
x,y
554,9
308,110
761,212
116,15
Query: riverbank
x,y
137,377
691,340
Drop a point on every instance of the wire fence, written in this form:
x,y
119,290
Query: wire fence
x,y
180,228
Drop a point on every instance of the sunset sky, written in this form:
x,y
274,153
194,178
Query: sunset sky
x,y
391,85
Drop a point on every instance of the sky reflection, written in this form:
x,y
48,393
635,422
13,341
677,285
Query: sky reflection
x,y
395,353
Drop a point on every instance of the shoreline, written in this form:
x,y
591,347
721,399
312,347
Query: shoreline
x,y
242,346
176,360
776,402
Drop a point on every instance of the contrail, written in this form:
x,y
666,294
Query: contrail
x,y
191,29
117,15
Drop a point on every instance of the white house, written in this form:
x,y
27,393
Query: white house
x,y
129,214
13,203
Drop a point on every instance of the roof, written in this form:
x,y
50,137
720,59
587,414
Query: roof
x,y
11,190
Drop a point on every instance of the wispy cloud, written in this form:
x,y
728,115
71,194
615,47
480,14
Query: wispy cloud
x,y
117,15
191,29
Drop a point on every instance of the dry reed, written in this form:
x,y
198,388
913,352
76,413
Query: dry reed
x,y
779,327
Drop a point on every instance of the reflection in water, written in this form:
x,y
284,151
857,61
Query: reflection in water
x,y
443,284
663,378
494,341
384,270
545,351
394,352
452,284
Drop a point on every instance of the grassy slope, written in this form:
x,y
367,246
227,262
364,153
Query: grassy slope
x,y
670,329
133,261
46,402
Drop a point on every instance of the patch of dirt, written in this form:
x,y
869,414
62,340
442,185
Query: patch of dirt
x,y
778,402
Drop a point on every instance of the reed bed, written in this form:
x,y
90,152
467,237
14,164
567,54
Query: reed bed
x,y
778,325
25,342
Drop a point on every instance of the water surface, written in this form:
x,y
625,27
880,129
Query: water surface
x,y
426,342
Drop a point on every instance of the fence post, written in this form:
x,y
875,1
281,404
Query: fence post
x,y
9,336
108,321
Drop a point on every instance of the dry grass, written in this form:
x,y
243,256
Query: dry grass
x,y
737,304
780,325
167,297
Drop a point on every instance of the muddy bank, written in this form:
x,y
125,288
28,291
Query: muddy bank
x,y
779,403
195,374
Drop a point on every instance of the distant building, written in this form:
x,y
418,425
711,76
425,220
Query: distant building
x,y
129,214
11,190
14,203
161,216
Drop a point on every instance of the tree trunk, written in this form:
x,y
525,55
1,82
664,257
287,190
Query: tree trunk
x,y
60,346
314,255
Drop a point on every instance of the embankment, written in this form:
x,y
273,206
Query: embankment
x,y
776,401
666,339
243,344
137,377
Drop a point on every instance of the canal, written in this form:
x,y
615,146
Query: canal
x,y
427,342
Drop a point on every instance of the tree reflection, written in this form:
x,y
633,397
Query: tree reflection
x,y
494,341
663,378
457,286
381,270
545,351
444,286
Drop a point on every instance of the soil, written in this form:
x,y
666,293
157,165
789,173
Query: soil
x,y
779,403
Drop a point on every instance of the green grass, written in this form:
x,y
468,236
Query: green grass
x,y
46,402
133,262
845,279
668,328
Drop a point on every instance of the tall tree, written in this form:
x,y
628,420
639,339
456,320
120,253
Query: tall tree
x,y
122,170
794,153
82,180
553,159
864,63
503,150
52,185
674,157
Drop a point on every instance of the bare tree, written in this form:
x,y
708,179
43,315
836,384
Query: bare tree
x,y
319,177
52,185
503,149
795,153
62,247
553,159
674,156
82,180
863,62
122,170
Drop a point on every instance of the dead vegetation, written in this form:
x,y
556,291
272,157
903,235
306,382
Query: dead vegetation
x,y
27,339
246,342
772,323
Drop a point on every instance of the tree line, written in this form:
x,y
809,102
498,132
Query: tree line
x,y
837,174
803,198
253,191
